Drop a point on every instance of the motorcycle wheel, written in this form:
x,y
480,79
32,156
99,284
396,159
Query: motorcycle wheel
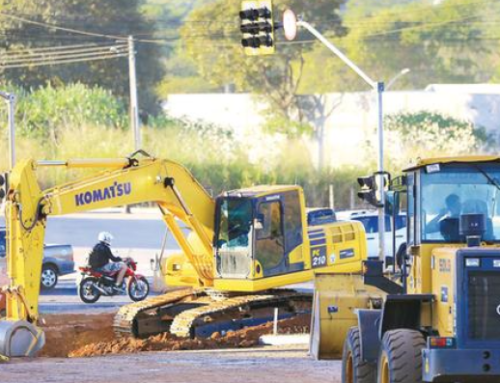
x,y
138,289
87,292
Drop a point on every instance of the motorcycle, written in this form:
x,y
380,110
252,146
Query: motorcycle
x,y
95,284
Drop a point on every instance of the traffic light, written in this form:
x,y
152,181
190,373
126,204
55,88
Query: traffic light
x,y
368,192
3,186
257,27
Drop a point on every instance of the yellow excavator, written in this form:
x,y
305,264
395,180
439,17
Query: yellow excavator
x,y
241,247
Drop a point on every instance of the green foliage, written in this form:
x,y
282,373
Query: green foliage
x,y
427,134
108,17
411,125
440,43
46,112
292,129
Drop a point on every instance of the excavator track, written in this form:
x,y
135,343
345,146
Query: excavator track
x,y
235,312
192,314
125,320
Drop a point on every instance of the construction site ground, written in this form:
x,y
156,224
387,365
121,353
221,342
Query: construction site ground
x,y
254,365
83,348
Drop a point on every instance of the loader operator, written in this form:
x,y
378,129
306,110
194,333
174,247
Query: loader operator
x,y
447,221
101,255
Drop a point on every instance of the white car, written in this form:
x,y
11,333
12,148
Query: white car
x,y
369,219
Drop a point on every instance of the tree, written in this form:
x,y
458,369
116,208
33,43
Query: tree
x,y
440,43
212,39
107,17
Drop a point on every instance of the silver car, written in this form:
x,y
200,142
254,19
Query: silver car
x,y
57,261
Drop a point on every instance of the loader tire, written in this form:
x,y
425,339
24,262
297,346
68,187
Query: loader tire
x,y
400,359
354,369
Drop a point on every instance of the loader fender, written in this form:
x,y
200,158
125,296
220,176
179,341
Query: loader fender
x,y
369,324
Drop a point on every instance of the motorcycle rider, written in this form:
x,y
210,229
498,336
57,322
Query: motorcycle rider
x,y
101,255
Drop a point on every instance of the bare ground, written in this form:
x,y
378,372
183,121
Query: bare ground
x,y
256,365
82,348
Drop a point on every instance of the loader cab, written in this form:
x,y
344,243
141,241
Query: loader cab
x,y
441,195
256,230
446,198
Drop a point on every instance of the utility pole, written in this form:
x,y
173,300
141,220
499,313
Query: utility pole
x,y
134,104
11,102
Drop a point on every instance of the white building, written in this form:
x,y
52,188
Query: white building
x,y
353,119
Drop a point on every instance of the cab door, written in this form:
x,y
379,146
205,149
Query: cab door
x,y
278,233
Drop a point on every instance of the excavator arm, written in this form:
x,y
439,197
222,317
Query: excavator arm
x,y
125,181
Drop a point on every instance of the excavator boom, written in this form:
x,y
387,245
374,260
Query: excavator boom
x,y
125,181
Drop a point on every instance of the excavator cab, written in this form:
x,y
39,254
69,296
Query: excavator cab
x,y
256,231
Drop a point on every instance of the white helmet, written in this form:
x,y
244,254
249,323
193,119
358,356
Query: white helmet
x,y
105,237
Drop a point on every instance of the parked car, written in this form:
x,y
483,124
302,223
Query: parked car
x,y
369,219
57,261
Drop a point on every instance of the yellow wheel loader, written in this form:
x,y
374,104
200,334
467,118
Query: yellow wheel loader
x,y
241,247
439,318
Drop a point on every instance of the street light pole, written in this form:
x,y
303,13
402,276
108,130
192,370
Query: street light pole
x,y
378,87
134,104
11,102
396,77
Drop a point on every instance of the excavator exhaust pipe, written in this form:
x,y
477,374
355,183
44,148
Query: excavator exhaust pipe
x,y
20,338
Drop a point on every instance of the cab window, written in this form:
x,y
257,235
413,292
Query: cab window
x,y
270,241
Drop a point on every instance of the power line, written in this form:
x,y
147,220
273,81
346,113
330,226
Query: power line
x,y
49,63
52,48
55,54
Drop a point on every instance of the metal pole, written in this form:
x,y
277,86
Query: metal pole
x,y
337,52
275,322
134,105
331,195
12,130
395,78
11,101
380,131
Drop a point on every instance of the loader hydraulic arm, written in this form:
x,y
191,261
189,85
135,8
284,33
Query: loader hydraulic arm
x,y
125,181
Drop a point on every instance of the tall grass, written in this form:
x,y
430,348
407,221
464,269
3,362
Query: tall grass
x,y
79,122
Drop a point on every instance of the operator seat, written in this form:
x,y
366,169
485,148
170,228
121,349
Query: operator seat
x,y
476,206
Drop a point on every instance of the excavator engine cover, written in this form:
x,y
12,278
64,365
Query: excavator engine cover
x,y
20,338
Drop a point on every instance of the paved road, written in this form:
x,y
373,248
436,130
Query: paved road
x,y
260,365
64,299
138,230
128,233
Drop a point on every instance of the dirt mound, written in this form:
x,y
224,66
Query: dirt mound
x,y
67,332
92,335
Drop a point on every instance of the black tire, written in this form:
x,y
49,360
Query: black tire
x,y
355,370
3,313
136,284
400,359
49,277
86,290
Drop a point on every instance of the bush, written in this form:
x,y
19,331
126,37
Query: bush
x,y
45,113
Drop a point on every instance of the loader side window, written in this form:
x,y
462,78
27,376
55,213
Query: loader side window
x,y
270,247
